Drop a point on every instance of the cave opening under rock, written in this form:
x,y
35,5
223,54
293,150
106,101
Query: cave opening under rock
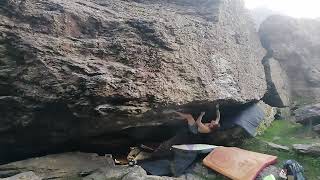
x,y
118,143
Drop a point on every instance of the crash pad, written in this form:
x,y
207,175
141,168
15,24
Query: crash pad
x,y
200,148
249,119
238,164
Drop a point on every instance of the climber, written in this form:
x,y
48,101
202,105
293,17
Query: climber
x,y
197,126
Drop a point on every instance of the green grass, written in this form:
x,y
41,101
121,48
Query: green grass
x,y
287,133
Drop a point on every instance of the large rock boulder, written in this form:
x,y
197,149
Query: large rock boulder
x,y
295,43
278,93
78,68
308,113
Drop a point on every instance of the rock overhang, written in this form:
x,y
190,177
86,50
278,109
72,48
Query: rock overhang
x,y
91,67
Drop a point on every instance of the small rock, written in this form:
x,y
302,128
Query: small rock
x,y
311,149
134,173
269,170
308,113
203,171
278,147
24,176
72,164
316,128
4,35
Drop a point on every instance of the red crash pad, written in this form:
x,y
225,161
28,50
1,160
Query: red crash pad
x,y
238,164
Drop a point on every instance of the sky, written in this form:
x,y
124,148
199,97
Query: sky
x,y
294,8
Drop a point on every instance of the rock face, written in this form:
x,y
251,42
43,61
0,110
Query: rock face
x,y
295,43
278,93
308,113
79,68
